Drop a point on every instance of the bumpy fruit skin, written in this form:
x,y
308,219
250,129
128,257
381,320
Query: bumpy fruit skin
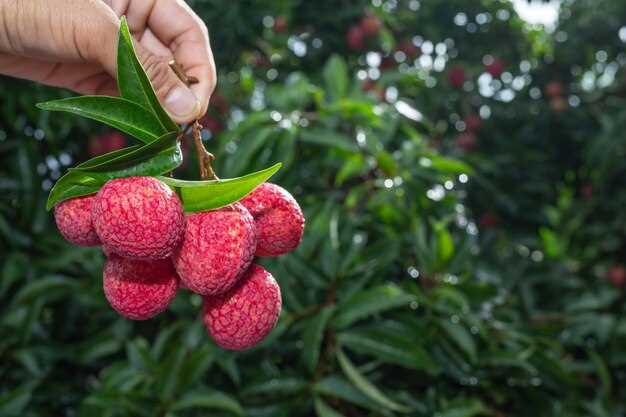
x,y
218,247
278,219
242,317
139,290
73,219
138,218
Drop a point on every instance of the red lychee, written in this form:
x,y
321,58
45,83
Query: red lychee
x,y
355,38
107,142
139,290
456,76
558,104
280,24
495,68
138,218
73,219
488,220
370,25
472,122
218,246
278,219
553,89
242,317
212,124
466,141
617,275
408,47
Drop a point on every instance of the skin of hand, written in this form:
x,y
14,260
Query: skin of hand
x,y
73,44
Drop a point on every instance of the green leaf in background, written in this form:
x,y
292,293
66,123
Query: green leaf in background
x,y
133,82
371,301
445,244
205,399
323,410
155,158
313,336
354,165
209,195
116,112
365,386
327,137
336,77
459,334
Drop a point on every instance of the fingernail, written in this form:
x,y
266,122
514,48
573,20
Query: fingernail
x,y
181,102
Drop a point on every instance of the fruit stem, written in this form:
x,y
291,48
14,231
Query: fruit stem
x,y
205,158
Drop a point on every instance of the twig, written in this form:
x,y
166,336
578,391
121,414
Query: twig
x,y
205,158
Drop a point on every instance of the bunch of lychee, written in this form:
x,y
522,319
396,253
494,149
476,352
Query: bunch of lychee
x,y
153,248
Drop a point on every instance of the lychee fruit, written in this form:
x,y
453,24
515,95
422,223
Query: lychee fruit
x,y
278,219
466,141
105,143
370,25
280,24
558,104
553,89
408,47
617,275
217,248
138,218
242,317
355,38
139,290
488,220
456,76
472,122
495,68
73,219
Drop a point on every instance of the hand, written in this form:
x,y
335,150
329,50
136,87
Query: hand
x,y
73,44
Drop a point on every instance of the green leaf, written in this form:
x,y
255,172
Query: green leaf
x,y
328,138
323,410
155,158
459,334
365,386
392,348
209,195
368,302
354,165
336,77
133,82
312,337
337,387
445,244
117,112
208,399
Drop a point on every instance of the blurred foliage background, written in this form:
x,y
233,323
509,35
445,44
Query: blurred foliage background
x,y
462,174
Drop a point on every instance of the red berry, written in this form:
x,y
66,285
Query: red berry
x,y
370,25
466,141
456,76
553,89
217,248
355,38
495,68
219,103
139,290
242,317
280,24
212,124
278,219
472,123
106,143
558,104
488,220
73,219
408,47
617,275
138,218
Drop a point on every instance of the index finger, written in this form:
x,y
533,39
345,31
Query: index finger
x,y
185,34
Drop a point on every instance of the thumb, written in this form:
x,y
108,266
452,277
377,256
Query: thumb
x,y
177,99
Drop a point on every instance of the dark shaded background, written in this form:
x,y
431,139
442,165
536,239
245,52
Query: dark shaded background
x,y
464,245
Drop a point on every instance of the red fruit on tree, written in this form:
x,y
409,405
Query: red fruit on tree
x,y
495,68
106,143
456,76
370,25
280,24
473,122
466,141
558,104
219,103
553,89
368,85
586,190
217,248
278,219
73,219
138,218
211,123
617,275
139,290
408,47
243,316
488,220
355,38
387,63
